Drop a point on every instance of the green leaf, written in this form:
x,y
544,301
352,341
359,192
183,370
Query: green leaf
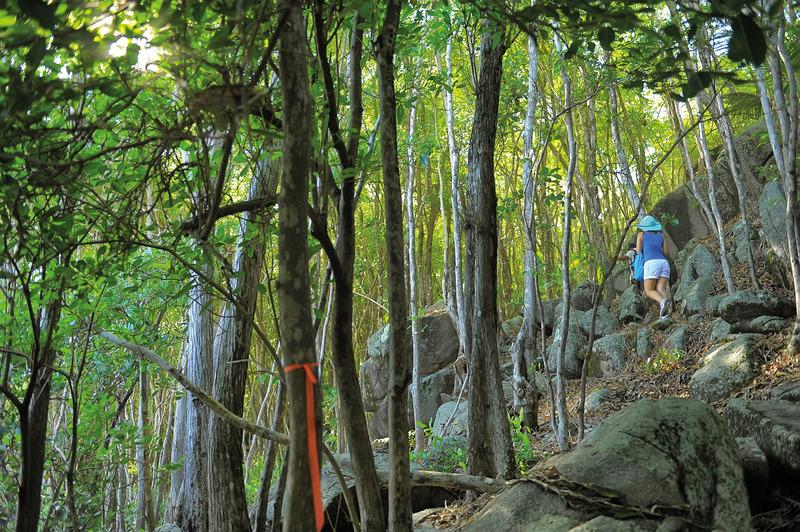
x,y
672,31
606,36
573,49
220,39
7,20
39,11
747,42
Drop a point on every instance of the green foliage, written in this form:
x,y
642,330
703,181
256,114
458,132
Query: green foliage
x,y
664,361
521,438
445,454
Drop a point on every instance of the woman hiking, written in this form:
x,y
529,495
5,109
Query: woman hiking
x,y
650,242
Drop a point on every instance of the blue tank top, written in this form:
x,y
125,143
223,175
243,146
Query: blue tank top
x,y
652,245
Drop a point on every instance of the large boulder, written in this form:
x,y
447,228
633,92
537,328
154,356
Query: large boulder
x,y
644,343
605,324
612,353
597,398
788,391
755,469
678,338
749,304
699,264
525,506
726,368
720,329
438,344
680,205
549,318
632,306
741,241
336,515
575,347
457,413
510,328
772,211
582,295
774,425
668,453
431,389
761,325
697,299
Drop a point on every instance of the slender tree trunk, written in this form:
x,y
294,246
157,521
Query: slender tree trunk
x,y
680,132
419,434
294,294
145,520
33,418
712,196
175,503
490,450
726,132
785,153
455,200
349,392
526,396
122,497
269,465
200,334
624,171
562,434
227,500
399,353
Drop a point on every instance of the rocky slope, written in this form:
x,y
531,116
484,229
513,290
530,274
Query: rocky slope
x,y
692,422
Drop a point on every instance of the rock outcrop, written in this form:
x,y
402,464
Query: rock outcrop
x,y
726,368
774,425
438,344
749,304
671,453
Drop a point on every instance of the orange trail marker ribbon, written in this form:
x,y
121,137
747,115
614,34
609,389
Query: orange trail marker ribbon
x,y
313,453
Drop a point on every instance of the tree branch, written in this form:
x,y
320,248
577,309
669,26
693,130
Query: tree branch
x,y
239,207
204,397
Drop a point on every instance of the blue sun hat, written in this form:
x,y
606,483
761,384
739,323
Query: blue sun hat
x,y
649,223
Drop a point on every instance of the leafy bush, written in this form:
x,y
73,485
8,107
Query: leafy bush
x,y
664,361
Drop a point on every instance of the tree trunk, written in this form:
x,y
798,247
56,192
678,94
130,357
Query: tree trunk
x,y
790,182
399,354
526,396
455,200
726,132
624,171
199,345
712,196
175,503
680,132
33,418
353,418
490,449
416,399
293,288
269,465
562,434
145,520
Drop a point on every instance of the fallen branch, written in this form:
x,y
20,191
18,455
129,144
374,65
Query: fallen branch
x,y
203,396
456,481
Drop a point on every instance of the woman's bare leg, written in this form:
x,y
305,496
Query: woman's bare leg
x,y
661,287
651,291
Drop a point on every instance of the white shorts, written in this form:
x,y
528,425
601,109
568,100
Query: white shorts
x,y
653,269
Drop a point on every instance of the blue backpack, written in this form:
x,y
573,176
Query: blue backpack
x,y
638,267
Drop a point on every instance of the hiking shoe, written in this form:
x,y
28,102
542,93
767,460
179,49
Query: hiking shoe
x,y
662,308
